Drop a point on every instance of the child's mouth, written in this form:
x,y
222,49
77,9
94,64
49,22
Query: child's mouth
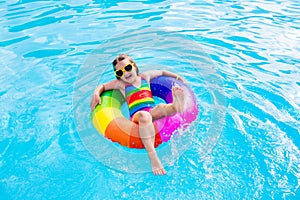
x,y
128,77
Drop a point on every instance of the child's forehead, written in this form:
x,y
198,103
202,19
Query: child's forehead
x,y
122,63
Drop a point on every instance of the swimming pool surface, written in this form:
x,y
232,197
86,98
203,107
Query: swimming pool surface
x,y
241,58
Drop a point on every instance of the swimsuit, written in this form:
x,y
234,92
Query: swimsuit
x,y
139,98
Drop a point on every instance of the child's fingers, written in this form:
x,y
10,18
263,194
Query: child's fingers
x,y
95,101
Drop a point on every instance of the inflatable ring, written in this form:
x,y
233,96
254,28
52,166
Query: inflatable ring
x,y
110,120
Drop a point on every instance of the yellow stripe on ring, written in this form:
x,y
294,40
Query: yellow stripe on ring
x,y
104,116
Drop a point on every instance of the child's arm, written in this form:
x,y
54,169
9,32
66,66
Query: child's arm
x,y
171,74
155,73
115,84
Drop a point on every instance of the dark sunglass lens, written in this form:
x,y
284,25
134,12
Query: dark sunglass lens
x,y
119,72
128,68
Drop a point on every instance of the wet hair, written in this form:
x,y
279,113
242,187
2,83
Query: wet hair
x,y
122,57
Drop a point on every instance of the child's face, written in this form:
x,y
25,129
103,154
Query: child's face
x,y
128,76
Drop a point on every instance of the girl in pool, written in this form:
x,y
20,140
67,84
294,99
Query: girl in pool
x,y
135,88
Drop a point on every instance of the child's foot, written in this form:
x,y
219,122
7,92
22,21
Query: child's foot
x,y
178,98
157,167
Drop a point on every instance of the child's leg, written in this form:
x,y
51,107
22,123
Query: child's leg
x,y
163,110
147,134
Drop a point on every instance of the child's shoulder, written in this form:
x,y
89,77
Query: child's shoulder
x,y
115,84
151,74
145,75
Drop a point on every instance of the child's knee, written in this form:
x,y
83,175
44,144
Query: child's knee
x,y
145,117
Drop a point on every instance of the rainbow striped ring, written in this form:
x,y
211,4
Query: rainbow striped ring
x,y
109,119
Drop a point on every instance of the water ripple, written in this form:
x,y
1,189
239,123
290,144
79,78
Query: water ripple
x,y
254,45
46,52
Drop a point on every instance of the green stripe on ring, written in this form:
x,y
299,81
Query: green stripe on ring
x,y
110,99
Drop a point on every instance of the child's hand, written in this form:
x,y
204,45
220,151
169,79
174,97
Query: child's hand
x,y
95,101
181,79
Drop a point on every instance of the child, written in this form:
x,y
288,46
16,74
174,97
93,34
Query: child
x,y
135,88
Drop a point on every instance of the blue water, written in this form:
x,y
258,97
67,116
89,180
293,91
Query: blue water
x,y
241,58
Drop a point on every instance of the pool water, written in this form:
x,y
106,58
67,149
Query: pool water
x,y
241,59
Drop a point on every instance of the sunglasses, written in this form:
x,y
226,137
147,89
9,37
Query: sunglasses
x,y
128,68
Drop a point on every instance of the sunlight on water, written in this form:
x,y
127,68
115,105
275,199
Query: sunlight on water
x,y
240,58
